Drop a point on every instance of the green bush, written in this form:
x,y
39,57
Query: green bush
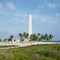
x,y
37,52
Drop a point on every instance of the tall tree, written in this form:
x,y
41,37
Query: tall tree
x,y
39,37
11,37
46,37
39,34
50,37
42,37
24,35
33,37
21,36
0,40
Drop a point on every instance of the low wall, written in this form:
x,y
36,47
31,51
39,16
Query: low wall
x,y
22,44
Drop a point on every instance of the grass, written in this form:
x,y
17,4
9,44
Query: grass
x,y
7,46
37,52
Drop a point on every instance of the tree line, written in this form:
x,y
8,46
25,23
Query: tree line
x,y
33,37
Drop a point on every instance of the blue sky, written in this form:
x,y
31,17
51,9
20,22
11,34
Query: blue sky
x,y
45,13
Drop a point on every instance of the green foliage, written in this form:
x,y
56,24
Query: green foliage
x,y
23,36
0,40
33,37
37,52
10,38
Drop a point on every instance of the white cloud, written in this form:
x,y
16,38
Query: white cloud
x,y
1,5
2,9
10,5
47,5
50,5
52,21
48,20
41,6
45,19
18,20
57,14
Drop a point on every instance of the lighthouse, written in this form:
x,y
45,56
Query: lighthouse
x,y
30,25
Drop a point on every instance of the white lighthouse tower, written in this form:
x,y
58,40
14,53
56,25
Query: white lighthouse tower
x,y
30,25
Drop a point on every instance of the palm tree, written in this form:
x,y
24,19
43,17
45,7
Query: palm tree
x,y
11,37
50,37
39,34
21,36
0,40
27,35
24,35
46,37
39,38
42,37
33,37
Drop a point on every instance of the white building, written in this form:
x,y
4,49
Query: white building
x,y
30,24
